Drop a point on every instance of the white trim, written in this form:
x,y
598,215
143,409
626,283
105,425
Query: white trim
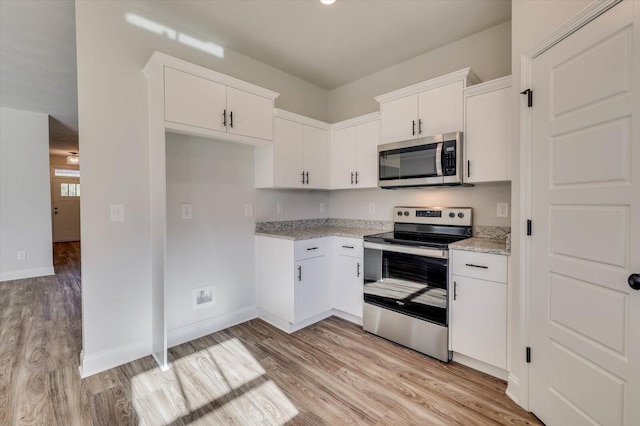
x,y
292,116
489,86
159,58
465,74
587,15
480,366
286,326
347,316
113,357
184,129
27,273
367,118
186,333
518,387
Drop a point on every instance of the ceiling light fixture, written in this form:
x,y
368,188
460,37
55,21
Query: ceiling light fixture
x,y
73,159
327,2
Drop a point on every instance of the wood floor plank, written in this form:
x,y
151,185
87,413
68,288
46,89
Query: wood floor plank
x,y
331,373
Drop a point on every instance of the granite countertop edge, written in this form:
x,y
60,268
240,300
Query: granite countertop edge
x,y
482,245
320,232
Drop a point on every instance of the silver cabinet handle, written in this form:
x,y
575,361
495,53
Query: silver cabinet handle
x,y
299,273
476,266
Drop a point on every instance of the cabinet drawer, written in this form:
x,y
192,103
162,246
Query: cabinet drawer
x,y
484,266
306,249
349,247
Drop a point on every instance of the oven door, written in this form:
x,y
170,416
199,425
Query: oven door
x,y
408,280
410,163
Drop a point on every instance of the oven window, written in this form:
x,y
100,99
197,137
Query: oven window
x,y
408,163
418,269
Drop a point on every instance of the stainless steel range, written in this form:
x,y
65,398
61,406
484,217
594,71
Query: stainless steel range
x,y
406,277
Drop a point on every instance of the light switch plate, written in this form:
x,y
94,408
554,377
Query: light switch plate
x,y
372,208
117,212
323,207
187,210
279,208
502,210
248,210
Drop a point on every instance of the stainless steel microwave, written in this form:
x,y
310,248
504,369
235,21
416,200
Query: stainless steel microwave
x,y
430,161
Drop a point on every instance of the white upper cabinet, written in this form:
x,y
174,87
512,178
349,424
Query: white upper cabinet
x,y
207,103
424,109
354,153
487,133
299,157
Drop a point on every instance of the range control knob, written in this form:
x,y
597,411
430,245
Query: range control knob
x,y
452,214
399,213
460,215
406,213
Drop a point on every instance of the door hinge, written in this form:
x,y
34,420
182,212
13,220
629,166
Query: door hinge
x,y
528,354
528,226
529,94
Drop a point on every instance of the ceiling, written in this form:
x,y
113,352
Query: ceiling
x,y
325,45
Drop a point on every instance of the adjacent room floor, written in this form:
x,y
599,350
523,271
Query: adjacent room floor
x,y
330,373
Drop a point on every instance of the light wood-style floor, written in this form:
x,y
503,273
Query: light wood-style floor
x,y
331,373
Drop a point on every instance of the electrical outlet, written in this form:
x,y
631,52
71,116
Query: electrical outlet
x,y
503,210
203,297
279,208
248,210
117,212
323,207
22,255
187,211
372,208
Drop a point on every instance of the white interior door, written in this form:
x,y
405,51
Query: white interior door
x,y
585,318
66,209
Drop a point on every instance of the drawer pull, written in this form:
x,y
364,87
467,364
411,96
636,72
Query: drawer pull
x,y
312,248
476,266
349,247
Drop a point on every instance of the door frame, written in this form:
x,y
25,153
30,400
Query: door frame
x,y
587,15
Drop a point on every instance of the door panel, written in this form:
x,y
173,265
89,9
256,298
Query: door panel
x,y
316,157
367,140
399,119
343,157
66,209
287,143
252,114
585,207
441,109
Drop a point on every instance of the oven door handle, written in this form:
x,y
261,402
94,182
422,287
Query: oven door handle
x,y
418,251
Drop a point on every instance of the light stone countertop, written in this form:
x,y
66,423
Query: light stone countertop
x,y
319,232
481,245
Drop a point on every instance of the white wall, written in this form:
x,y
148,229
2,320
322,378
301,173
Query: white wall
x,y
113,133
486,52
25,195
531,21
354,204
298,204
216,246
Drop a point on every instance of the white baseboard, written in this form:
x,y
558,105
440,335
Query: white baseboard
x,y
27,273
286,326
189,332
346,316
513,389
481,366
110,358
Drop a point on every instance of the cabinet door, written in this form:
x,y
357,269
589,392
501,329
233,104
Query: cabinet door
x,y
249,115
343,158
316,157
193,101
312,295
287,143
486,137
441,109
479,320
367,140
349,295
399,119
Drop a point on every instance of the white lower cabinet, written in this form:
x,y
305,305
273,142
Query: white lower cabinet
x,y
478,301
348,275
291,280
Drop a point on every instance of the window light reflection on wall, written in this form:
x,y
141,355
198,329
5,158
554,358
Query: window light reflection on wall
x,y
170,33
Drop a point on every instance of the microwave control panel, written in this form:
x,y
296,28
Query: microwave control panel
x,y
449,158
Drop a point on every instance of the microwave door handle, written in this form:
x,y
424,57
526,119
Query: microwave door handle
x,y
439,159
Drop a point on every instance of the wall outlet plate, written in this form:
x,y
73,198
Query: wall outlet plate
x,y
323,207
203,297
186,210
117,212
279,208
372,208
502,210
248,210
22,255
